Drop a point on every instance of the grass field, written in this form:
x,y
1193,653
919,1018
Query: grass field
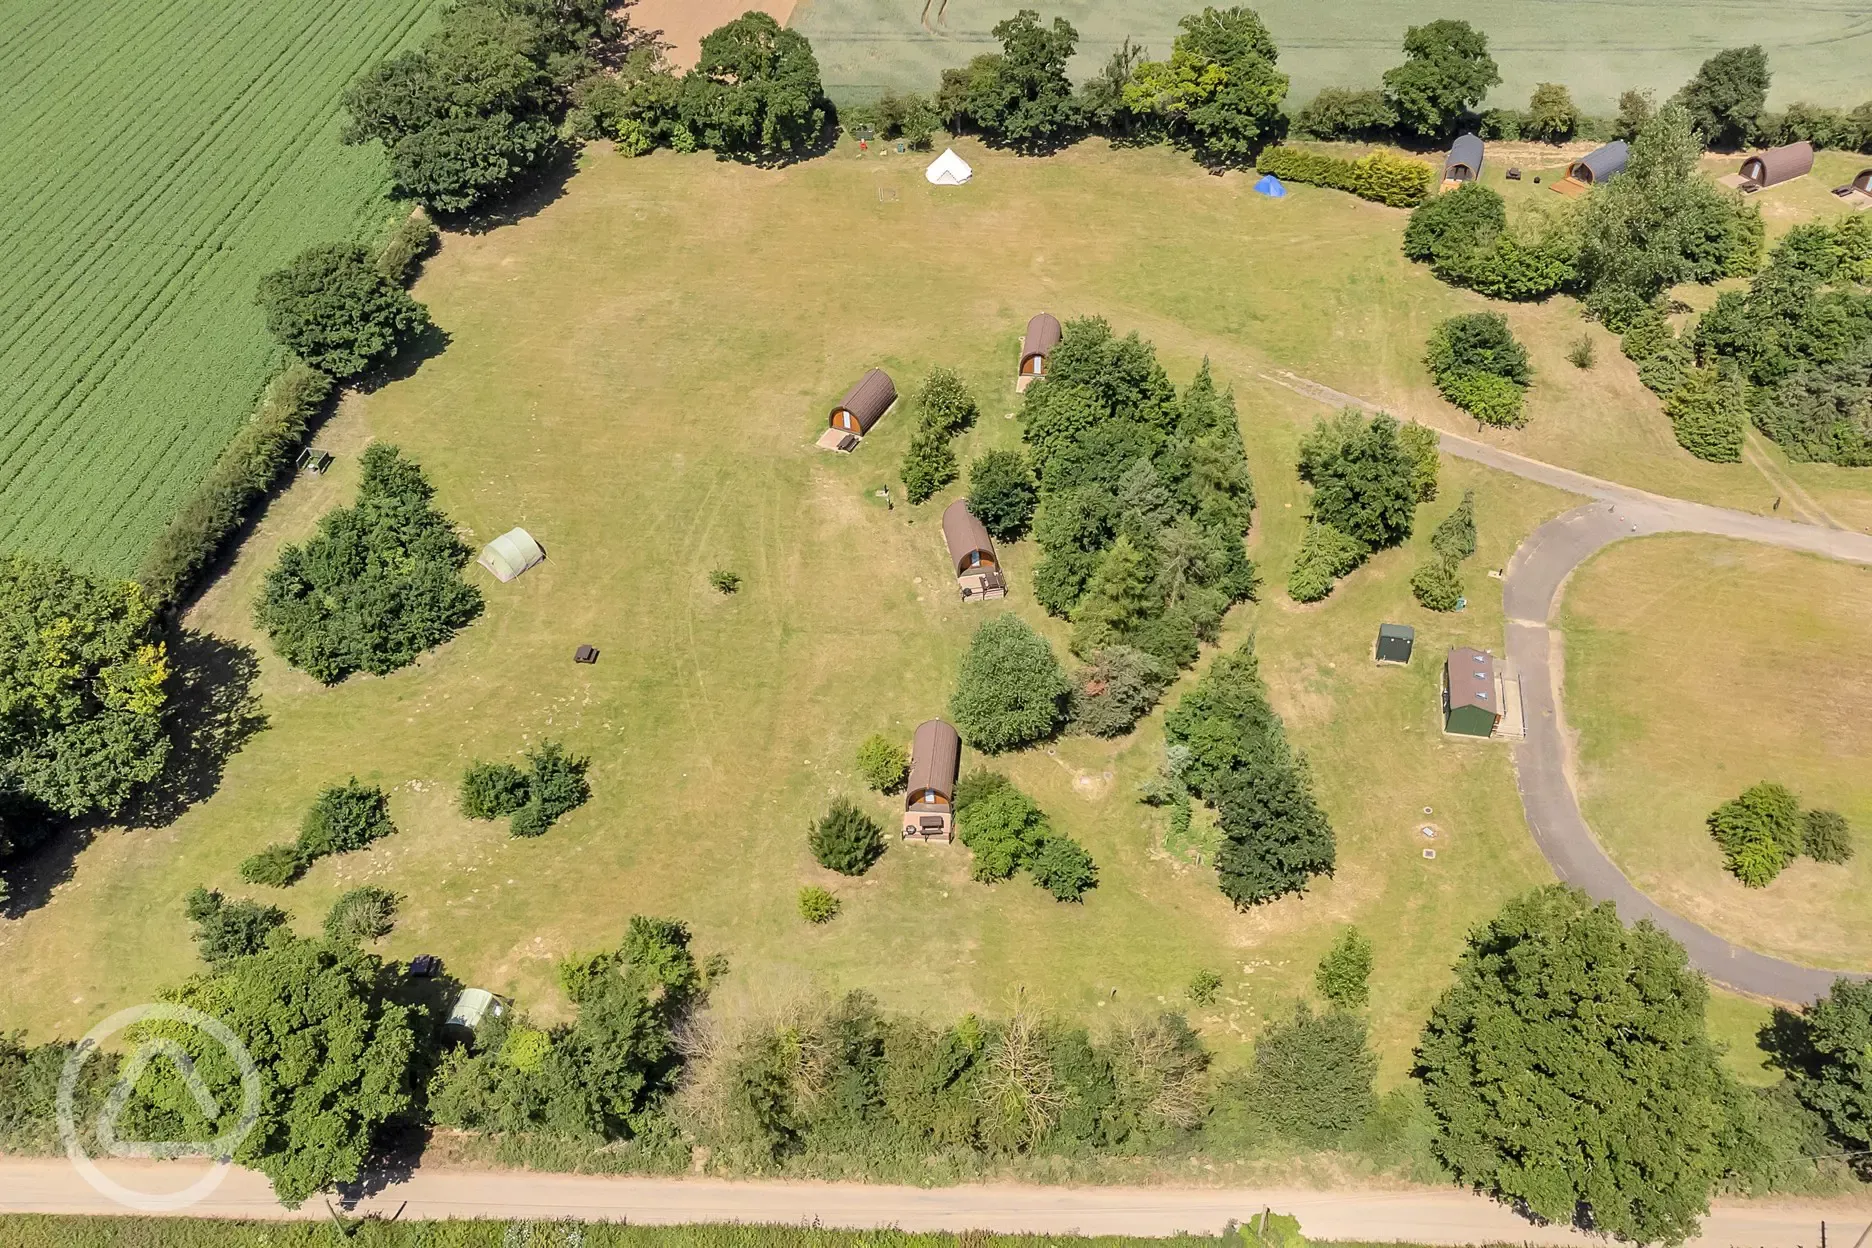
x,y
1817,48
1696,667
161,157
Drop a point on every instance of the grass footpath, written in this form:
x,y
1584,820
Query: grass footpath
x,y
636,373
1697,667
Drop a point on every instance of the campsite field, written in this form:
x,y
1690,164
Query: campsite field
x,y
1817,48
161,157
636,372
1697,667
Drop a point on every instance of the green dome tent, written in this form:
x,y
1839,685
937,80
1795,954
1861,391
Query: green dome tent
x,y
510,554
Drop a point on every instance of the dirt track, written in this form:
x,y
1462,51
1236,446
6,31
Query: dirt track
x,y
684,22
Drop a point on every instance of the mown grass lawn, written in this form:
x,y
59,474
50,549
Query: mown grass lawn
x,y
1697,667
636,372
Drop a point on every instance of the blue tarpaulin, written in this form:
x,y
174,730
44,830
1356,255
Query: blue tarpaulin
x,y
1271,187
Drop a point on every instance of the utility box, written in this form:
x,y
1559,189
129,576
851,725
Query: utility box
x,y
1395,642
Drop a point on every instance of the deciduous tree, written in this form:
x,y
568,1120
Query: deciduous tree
x,y
1447,71
1010,690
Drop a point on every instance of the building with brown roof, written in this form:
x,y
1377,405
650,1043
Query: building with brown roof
x,y
1471,700
1043,334
865,403
971,553
1779,164
929,797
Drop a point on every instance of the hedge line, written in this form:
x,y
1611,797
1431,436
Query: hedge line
x,y
1380,177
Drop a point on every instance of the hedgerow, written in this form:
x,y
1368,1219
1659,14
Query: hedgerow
x,y
1380,177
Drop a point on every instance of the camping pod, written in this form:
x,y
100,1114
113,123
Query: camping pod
x,y
1862,183
510,554
1779,164
929,797
1600,165
864,403
971,554
1464,163
1043,334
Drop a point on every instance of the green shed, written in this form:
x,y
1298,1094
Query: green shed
x,y
1470,700
1395,642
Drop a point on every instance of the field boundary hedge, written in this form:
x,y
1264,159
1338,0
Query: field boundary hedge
x,y
1379,177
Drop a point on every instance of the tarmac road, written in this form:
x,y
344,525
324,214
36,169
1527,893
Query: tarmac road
x,y
1531,586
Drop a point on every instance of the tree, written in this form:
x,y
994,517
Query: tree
x,y
344,818
333,309
1021,96
846,840
1826,836
1063,868
1552,117
1340,113
1325,555
556,786
944,404
1002,828
1448,226
83,690
1312,1076
361,914
1364,480
1570,1071
1121,594
1826,1052
1635,108
1760,832
1446,72
1455,537
1479,366
1726,97
883,763
1343,973
1275,836
928,464
1219,92
1010,691
333,1053
379,583
225,930
755,92
1002,493
1709,414
1437,585
1117,687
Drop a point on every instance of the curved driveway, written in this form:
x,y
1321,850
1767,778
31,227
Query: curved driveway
x,y
1530,592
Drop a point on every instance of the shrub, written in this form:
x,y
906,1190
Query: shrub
x,y
1760,832
275,866
1478,342
377,585
1340,113
1203,987
1436,584
1010,691
1325,555
976,785
246,468
1507,267
1709,414
1063,868
225,930
1826,837
1450,225
945,404
344,818
528,822
1118,687
413,239
928,464
721,580
1367,477
1002,493
1490,399
817,905
1381,177
846,839
1648,332
1455,538
1343,975
334,310
1002,828
1665,369
493,790
883,763
1581,353
556,779
360,915
1312,1076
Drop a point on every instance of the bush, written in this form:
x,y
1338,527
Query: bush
x,y
360,915
1826,837
1002,493
376,586
883,763
493,790
556,779
1490,399
1118,687
1760,832
846,839
334,310
1002,827
1666,369
1436,584
1340,113
413,239
1455,538
1709,414
928,464
1581,353
275,866
1325,555
1447,226
528,822
1343,975
817,905
345,818
1381,177
225,930
722,581
247,467
1063,868
1010,691
1312,1076
1478,342
1203,987
1648,332
945,404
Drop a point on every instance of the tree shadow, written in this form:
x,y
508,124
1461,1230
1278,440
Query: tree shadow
x,y
44,857
525,203
433,341
214,712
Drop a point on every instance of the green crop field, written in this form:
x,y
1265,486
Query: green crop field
x,y
1818,48
160,155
